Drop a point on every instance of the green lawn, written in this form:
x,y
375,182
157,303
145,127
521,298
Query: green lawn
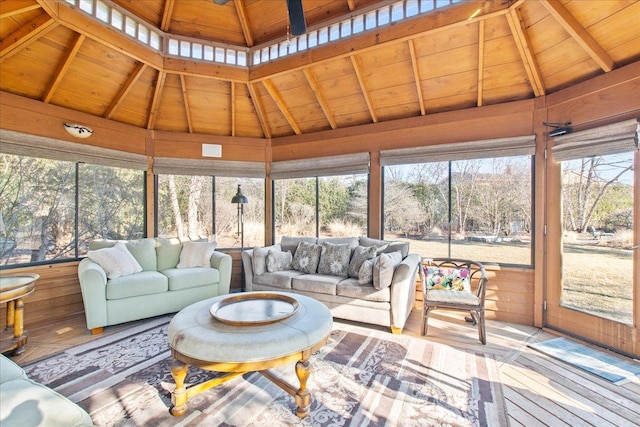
x,y
596,279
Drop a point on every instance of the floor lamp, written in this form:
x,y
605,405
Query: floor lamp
x,y
240,199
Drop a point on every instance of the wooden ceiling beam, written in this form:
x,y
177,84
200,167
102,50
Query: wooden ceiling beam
x,y
244,22
257,104
268,85
480,62
579,34
315,87
185,100
416,76
62,68
15,7
363,87
167,14
124,90
206,70
233,109
155,102
521,38
25,35
453,16
351,4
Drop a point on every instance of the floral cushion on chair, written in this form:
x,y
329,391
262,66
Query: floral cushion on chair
x,y
448,279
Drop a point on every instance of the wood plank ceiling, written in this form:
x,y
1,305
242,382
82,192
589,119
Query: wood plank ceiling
x,y
432,62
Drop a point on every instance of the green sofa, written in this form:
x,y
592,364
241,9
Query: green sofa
x,y
164,278
24,402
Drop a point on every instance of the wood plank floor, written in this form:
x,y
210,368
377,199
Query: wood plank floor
x,y
539,391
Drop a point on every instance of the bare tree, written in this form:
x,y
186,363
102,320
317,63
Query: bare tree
x,y
585,183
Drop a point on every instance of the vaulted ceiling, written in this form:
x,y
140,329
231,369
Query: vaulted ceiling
x,y
452,56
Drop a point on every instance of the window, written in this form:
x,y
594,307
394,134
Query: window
x,y
468,200
597,259
324,196
38,207
194,200
474,209
598,217
330,206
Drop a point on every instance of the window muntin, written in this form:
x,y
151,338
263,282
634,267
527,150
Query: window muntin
x,y
598,218
477,209
38,208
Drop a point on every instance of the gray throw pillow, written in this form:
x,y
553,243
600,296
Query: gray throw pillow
x,y
334,259
278,261
365,275
307,257
360,255
259,258
384,268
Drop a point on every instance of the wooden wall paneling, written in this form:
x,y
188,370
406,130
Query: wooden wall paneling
x,y
189,146
56,296
494,121
37,118
540,260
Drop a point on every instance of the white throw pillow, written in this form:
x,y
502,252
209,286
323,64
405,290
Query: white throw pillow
x,y
196,254
116,261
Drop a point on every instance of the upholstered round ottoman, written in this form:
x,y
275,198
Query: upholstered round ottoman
x,y
251,331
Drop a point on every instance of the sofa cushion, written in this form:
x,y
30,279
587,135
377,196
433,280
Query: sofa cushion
x,y
306,257
289,243
186,278
116,261
319,283
278,261
353,242
360,255
385,246
384,268
352,289
365,275
28,403
196,254
143,283
168,252
279,279
259,258
334,259
144,251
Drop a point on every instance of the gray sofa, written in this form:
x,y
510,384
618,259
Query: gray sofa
x,y
380,290
165,276
24,402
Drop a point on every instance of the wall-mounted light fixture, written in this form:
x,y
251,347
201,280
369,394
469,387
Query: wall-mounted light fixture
x,y
559,128
78,131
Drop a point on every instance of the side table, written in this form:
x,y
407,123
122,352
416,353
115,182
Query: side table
x,y
13,289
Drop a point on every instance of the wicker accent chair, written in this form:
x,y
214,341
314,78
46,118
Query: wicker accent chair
x,y
463,300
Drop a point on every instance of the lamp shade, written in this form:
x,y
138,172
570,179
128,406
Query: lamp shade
x,y
239,197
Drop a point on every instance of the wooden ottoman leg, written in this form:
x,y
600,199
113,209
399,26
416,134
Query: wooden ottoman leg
x,y
179,395
303,397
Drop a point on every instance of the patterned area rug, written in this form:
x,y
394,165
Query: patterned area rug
x,y
361,377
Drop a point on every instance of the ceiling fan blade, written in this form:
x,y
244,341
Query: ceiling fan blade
x,y
296,17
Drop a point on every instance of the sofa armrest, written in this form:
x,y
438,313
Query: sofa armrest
x,y
93,283
403,290
222,262
247,264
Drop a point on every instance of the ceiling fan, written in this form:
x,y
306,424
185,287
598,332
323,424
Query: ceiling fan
x,y
296,16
